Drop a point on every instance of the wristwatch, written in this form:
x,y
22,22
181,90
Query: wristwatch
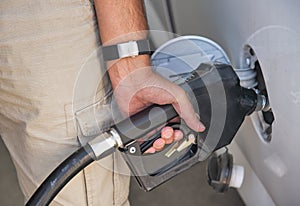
x,y
126,49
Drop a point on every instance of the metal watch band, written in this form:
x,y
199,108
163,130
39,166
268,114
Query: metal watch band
x,y
126,49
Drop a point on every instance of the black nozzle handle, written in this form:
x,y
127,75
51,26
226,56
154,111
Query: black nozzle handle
x,y
144,121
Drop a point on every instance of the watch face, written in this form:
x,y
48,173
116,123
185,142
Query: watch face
x,y
128,49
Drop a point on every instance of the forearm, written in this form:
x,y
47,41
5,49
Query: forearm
x,y
122,21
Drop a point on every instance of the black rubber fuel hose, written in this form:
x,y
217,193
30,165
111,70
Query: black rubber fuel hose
x,y
61,176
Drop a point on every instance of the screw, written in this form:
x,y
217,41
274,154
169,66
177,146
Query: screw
x,y
132,150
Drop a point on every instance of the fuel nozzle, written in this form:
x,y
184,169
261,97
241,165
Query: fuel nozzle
x,y
215,92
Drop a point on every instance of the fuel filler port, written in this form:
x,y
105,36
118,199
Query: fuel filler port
x,y
251,77
222,173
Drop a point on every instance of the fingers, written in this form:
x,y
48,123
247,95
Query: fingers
x,y
159,144
186,111
178,135
168,135
151,150
177,96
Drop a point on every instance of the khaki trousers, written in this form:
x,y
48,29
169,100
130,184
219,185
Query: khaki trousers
x,y
44,48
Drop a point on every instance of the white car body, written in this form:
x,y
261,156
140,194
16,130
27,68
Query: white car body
x,y
272,29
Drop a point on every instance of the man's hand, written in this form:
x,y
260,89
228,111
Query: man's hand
x,y
136,87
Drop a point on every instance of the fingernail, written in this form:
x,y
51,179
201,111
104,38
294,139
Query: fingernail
x,y
159,144
178,135
167,134
151,150
201,127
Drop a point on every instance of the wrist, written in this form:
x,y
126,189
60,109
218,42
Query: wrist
x,y
121,68
125,37
122,50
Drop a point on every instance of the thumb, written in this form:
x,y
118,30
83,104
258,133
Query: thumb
x,y
185,109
